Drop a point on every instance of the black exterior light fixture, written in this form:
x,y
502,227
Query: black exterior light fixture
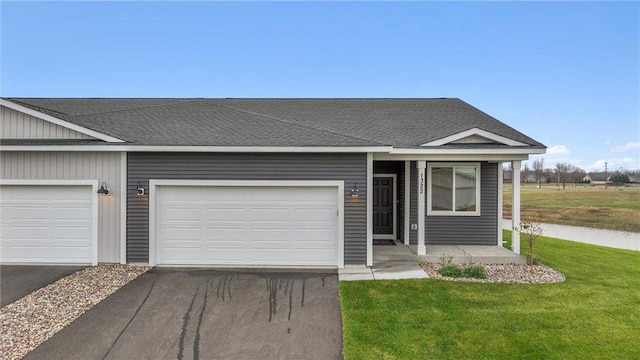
x,y
104,190
140,190
354,191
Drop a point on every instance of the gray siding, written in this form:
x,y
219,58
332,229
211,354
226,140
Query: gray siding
x,y
102,166
470,230
352,168
461,230
18,125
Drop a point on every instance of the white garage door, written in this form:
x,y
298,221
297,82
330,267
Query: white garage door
x,y
255,226
46,224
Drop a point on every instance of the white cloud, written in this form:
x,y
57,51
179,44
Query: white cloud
x,y
627,163
558,149
635,145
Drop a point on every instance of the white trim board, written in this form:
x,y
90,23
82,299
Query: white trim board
x,y
369,219
407,202
59,122
123,208
393,235
475,132
154,183
449,157
94,202
229,149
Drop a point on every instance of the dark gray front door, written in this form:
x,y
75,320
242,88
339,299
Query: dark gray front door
x,y
383,205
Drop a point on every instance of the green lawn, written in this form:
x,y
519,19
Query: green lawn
x,y
615,208
595,314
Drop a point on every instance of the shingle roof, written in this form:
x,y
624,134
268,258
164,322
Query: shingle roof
x,y
402,123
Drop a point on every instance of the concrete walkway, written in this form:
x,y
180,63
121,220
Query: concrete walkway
x,y
609,238
383,270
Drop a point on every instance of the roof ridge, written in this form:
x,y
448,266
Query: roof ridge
x,y
297,124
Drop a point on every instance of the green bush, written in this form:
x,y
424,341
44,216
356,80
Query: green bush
x,y
451,271
476,272
537,260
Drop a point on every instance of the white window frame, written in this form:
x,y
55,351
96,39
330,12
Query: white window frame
x,y
453,212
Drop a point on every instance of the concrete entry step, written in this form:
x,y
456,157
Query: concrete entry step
x,y
459,254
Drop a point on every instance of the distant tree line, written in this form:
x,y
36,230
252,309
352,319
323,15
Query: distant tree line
x,y
566,173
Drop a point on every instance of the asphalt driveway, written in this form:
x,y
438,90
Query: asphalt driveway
x,y
17,281
208,314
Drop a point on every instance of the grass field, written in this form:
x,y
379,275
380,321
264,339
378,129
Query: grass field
x,y
594,314
579,205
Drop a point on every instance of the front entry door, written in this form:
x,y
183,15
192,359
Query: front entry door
x,y
383,205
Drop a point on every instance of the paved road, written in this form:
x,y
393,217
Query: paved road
x,y
207,314
17,281
608,238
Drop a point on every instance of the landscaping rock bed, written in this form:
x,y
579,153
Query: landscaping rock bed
x,y
503,273
36,317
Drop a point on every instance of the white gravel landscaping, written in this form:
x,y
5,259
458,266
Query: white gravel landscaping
x,y
36,317
503,273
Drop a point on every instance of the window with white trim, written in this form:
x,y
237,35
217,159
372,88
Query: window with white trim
x,y
453,189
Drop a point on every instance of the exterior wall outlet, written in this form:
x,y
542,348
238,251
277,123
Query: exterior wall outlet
x,y
414,226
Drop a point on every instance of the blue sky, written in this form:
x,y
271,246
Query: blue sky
x,y
565,73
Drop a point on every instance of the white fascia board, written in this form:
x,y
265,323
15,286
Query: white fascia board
x,y
451,157
475,131
451,151
247,183
228,149
59,122
61,182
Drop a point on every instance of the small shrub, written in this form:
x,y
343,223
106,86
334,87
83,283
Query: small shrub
x,y
533,259
476,272
451,271
446,259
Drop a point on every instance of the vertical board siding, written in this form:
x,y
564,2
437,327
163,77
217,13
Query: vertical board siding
x,y
470,230
17,125
100,166
394,167
352,168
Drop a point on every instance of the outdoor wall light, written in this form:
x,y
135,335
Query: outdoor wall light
x,y
104,189
354,191
140,190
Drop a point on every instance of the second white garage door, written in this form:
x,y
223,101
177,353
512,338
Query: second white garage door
x,y
47,224
248,225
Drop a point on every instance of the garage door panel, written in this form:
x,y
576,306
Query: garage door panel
x,y
248,226
182,233
68,214
310,214
237,234
22,211
71,252
181,213
267,213
46,223
14,233
311,235
220,213
31,252
181,255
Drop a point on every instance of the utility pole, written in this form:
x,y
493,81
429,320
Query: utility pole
x,y
605,174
